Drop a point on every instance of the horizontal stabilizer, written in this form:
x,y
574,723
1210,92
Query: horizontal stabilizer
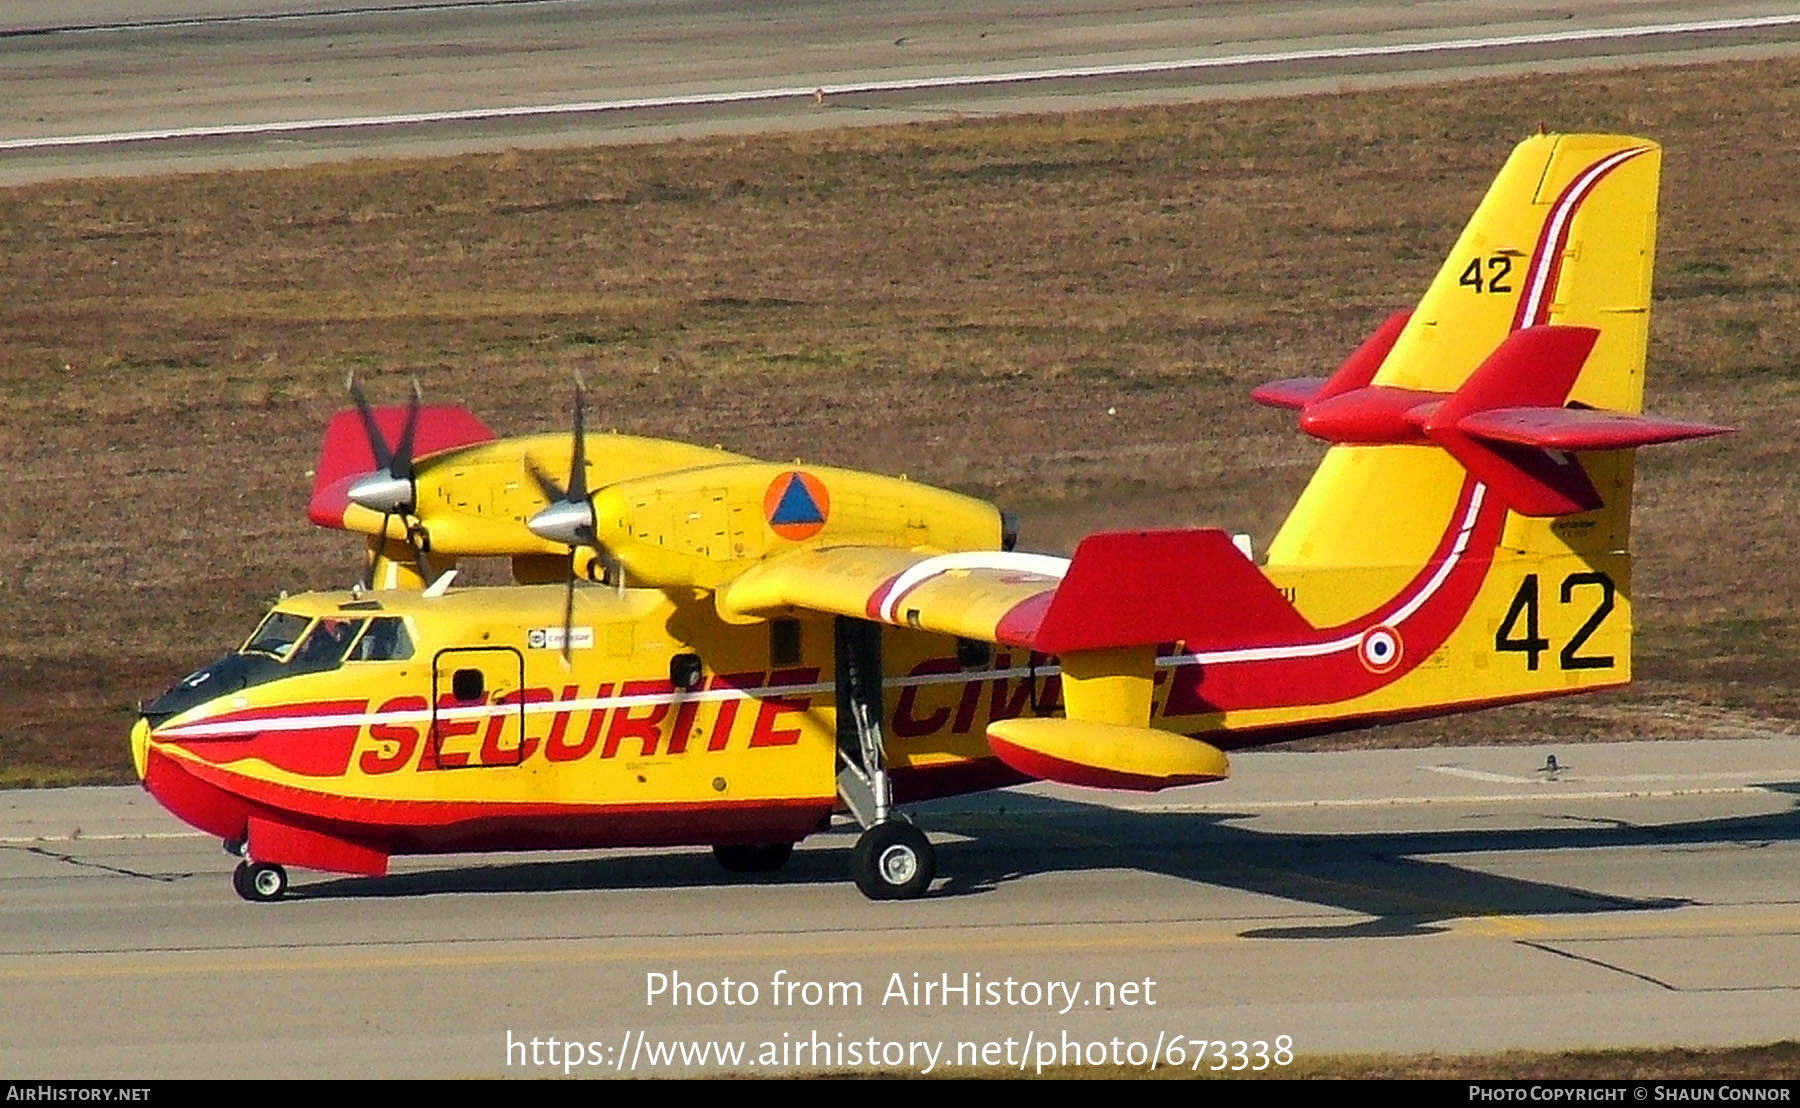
x,y
1291,392
1577,429
1129,588
1509,423
345,455
1105,755
1358,371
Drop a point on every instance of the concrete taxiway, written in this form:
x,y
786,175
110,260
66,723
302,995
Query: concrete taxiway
x,y
103,86
1412,900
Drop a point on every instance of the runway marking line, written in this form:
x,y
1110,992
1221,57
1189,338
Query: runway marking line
x,y
915,84
680,948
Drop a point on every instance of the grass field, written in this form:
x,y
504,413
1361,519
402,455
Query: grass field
x,y
965,303
1769,1062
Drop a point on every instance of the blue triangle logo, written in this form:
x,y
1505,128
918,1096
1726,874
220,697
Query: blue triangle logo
x,y
796,504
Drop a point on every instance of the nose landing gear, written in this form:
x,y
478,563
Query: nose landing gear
x,y
260,882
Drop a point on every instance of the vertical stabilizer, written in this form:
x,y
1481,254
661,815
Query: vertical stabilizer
x,y
1566,236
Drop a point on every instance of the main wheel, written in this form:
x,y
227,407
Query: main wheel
x,y
752,857
893,861
259,881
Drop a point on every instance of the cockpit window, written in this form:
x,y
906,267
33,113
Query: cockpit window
x,y
324,646
386,640
276,635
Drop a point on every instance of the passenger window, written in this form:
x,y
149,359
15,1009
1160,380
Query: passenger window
x,y
386,640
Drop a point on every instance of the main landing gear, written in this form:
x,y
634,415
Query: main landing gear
x,y
893,860
260,882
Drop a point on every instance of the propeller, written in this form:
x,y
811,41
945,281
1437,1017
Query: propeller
x,y
569,516
390,489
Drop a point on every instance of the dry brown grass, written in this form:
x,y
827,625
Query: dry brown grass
x,y
961,303
1771,1062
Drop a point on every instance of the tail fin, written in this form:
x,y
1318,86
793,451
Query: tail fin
x,y
1565,237
1464,541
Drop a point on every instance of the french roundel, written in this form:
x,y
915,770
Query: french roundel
x,y
1380,649
796,505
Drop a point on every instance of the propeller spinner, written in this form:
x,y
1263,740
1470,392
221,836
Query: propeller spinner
x,y
569,517
390,489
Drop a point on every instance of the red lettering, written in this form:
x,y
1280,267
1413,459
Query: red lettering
x,y
559,724
434,756
765,733
906,724
404,737
721,729
555,749
491,753
965,708
647,730
782,678
684,723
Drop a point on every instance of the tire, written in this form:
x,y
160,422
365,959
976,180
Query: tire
x,y
893,861
240,880
260,882
752,857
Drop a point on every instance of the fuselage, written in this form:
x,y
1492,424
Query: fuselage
x,y
414,723
420,724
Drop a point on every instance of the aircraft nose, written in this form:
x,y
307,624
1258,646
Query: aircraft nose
x,y
140,747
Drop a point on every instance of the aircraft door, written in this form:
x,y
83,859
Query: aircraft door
x,y
477,708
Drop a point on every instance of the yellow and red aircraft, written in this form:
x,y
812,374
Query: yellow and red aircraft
x,y
756,647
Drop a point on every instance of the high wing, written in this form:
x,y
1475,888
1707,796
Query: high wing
x,y
1103,614
1121,589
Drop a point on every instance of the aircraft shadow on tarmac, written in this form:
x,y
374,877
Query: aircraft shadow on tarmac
x,y
1397,879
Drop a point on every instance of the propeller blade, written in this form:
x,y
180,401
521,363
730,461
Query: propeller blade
x,y
578,457
384,459
375,548
547,485
568,609
400,465
389,488
417,540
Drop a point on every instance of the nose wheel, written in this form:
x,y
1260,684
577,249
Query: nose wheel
x,y
259,881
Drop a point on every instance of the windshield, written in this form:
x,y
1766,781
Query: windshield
x,y
285,645
276,635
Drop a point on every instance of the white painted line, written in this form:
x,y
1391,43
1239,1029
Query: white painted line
x,y
1480,775
36,840
914,84
1407,801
